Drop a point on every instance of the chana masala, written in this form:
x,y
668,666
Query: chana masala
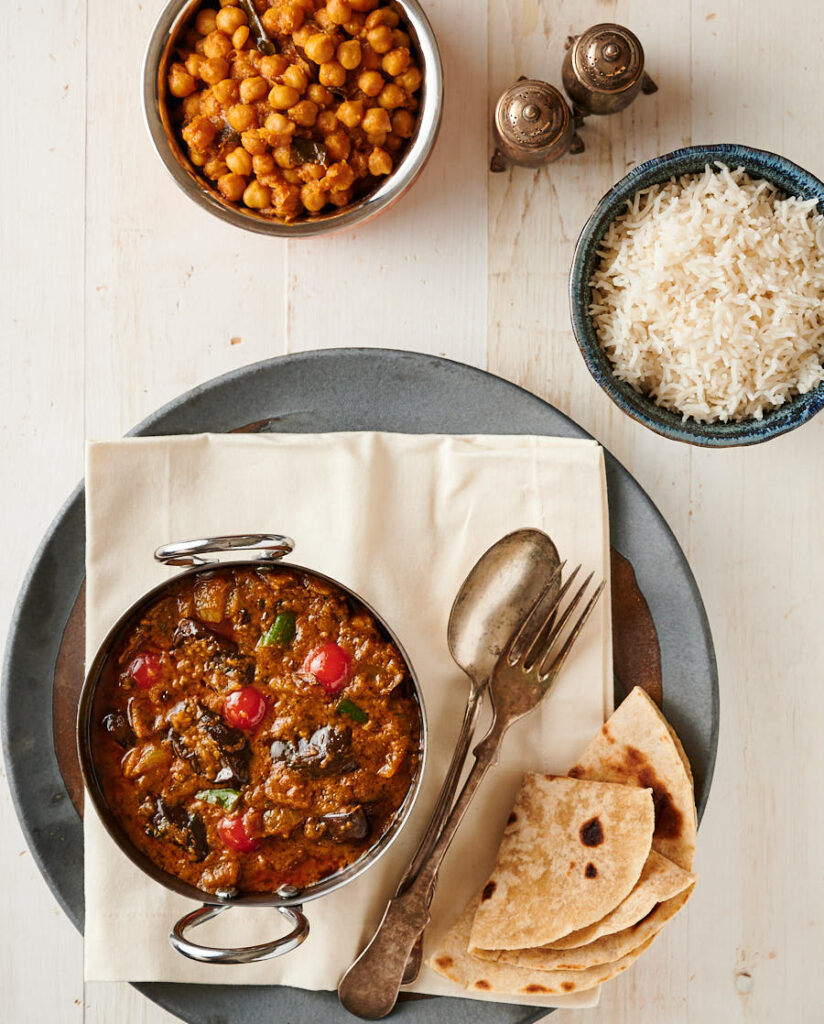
x,y
312,127
255,728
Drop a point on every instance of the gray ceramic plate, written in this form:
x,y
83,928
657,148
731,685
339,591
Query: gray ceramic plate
x,y
342,389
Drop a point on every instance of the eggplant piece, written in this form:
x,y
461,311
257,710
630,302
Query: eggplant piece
x,y
194,629
183,750
224,735
182,828
117,726
347,826
233,748
234,768
328,751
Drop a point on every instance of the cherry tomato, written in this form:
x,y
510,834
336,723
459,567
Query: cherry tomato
x,y
329,666
145,669
245,709
235,833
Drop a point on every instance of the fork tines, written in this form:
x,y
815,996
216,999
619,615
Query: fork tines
x,y
543,641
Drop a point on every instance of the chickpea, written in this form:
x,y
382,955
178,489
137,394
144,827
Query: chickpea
x,y
363,5
198,47
226,91
403,123
370,82
253,142
401,39
216,44
303,35
338,145
380,38
393,144
286,200
304,113
320,94
323,21
377,138
327,121
284,157
256,196
209,104
242,117
340,198
319,48
240,37
206,21
263,164
279,124
380,162
349,54
339,176
359,162
392,96
197,158
229,19
256,88
354,26
231,186
239,161
396,61
272,67
313,197
284,19
214,69
243,66
350,113
282,97
332,74
382,16
181,83
199,133
215,168
194,62
370,61
191,106
339,11
296,77
291,176
376,120
410,80
312,172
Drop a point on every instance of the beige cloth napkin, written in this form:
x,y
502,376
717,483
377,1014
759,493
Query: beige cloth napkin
x,y
401,519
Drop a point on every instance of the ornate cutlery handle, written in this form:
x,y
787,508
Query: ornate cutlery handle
x,y
369,989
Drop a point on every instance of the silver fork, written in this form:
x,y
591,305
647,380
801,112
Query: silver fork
x,y
523,675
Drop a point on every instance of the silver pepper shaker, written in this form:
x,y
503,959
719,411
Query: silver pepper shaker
x,y
603,70
533,126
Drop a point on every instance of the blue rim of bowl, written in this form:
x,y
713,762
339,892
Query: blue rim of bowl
x,y
792,180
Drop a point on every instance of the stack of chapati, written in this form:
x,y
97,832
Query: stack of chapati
x,y
590,867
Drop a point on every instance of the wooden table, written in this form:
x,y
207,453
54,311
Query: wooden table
x,y
120,294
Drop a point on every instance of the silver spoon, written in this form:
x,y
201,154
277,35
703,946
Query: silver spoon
x,y
493,599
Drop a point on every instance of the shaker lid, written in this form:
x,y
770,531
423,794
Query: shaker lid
x,y
531,115
607,58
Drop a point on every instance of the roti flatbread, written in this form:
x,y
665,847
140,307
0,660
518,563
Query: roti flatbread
x,y
453,961
572,851
606,950
637,747
660,880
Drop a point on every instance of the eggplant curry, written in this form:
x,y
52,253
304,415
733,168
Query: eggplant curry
x,y
255,728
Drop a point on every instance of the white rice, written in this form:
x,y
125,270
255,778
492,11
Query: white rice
x,y
708,296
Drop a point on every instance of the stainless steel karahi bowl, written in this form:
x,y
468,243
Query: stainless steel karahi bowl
x,y
176,15
267,550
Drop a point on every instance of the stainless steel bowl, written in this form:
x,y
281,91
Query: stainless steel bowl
x,y
176,14
288,901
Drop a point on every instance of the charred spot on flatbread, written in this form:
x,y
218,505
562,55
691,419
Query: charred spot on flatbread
x,y
444,961
533,989
567,986
575,773
592,832
482,984
488,892
590,870
512,819
607,734
669,821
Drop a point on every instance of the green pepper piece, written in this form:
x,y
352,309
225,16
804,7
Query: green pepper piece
x,y
348,707
225,798
281,632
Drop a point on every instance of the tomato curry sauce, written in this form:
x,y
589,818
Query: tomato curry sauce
x,y
255,728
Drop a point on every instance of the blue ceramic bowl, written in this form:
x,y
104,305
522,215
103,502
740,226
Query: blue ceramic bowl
x,y
792,180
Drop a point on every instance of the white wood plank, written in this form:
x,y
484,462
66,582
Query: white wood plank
x,y
415,276
168,286
41,261
107,1002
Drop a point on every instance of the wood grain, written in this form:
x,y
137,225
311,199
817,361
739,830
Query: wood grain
x,y
119,294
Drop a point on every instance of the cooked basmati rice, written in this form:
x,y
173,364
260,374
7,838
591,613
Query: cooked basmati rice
x,y
708,296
